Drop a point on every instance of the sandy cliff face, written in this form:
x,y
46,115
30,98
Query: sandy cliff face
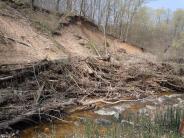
x,y
21,42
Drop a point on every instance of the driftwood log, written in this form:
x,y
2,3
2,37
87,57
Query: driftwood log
x,y
44,114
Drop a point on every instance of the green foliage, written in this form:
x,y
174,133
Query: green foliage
x,y
179,41
178,21
165,125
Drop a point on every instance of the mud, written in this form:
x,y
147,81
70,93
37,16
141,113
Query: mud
x,y
75,124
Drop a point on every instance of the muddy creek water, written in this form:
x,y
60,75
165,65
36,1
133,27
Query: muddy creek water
x,y
105,117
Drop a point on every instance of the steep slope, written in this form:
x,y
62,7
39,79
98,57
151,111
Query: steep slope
x,y
21,43
82,37
48,90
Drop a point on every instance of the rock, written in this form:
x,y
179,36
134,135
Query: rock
x,y
125,122
150,107
4,136
180,100
176,105
103,122
166,97
174,95
105,112
121,108
143,111
116,116
77,124
161,100
156,103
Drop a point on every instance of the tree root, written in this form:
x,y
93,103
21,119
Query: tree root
x,y
15,40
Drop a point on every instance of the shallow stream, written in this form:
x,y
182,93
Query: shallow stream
x,y
106,117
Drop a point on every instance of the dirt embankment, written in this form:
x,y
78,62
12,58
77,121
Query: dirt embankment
x,y
37,85
81,37
22,41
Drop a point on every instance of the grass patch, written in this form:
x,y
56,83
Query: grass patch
x,y
164,125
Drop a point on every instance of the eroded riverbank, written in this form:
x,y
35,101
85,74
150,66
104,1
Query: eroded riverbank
x,y
108,117
55,66
47,91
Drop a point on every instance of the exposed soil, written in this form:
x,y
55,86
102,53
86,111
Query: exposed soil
x,y
21,43
38,84
82,38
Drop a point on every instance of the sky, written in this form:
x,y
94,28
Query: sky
x,y
171,4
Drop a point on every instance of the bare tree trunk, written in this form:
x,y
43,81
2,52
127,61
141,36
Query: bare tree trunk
x,y
123,11
82,8
107,14
32,4
99,13
105,40
69,5
132,12
57,5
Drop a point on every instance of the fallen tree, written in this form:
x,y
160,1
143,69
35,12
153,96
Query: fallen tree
x,y
50,90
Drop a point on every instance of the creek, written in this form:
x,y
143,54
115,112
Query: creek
x,y
105,117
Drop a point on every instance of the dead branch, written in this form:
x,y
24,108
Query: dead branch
x,y
110,103
6,78
83,79
171,86
15,40
7,15
39,93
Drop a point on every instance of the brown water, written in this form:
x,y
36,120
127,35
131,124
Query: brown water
x,y
74,124
60,129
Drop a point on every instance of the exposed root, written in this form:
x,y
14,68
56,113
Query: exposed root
x,y
15,40
54,89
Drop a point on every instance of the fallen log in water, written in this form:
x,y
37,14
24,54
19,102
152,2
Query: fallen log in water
x,y
44,114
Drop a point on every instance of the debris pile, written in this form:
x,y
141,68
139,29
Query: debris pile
x,y
47,90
